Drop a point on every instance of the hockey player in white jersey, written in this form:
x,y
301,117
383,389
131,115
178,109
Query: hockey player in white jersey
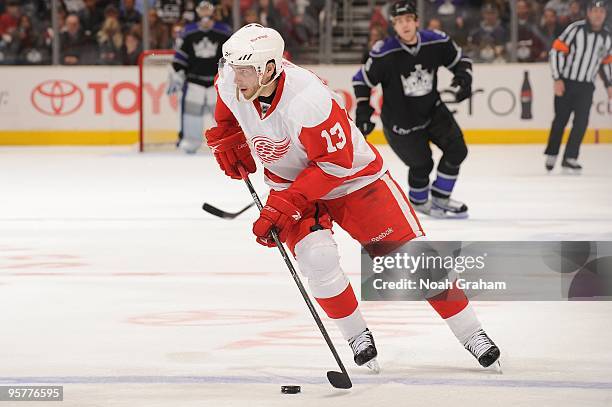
x,y
321,170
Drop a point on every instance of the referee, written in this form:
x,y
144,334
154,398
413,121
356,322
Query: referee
x,y
583,49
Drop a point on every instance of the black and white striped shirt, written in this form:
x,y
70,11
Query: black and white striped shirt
x,y
579,53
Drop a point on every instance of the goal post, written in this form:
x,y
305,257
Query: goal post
x,y
158,121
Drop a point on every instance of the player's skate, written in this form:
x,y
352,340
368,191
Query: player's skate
x,y
428,209
449,207
571,166
483,349
189,146
364,350
550,162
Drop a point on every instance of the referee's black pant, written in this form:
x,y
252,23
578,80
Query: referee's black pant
x,y
577,98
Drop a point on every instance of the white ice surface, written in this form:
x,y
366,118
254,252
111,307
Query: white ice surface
x,y
115,284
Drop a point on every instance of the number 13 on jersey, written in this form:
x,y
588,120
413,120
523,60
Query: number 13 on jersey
x,y
334,131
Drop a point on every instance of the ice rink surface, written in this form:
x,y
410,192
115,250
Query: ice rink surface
x,y
115,284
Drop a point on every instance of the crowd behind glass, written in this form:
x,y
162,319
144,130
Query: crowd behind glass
x,y
109,32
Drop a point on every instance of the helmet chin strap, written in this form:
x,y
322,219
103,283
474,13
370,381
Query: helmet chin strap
x,y
259,90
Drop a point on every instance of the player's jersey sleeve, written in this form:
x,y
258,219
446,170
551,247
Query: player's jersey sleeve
x,y
223,115
452,56
180,61
372,72
329,148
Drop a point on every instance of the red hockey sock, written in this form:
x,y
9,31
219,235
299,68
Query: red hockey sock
x,y
341,305
449,302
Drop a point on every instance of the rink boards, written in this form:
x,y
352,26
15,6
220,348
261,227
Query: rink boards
x,y
99,105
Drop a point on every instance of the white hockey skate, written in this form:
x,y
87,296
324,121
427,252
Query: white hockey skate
x,y
448,208
189,146
484,350
364,350
571,166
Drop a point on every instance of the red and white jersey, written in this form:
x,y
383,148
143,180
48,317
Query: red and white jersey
x,y
305,139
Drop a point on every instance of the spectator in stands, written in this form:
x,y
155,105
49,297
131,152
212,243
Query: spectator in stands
x,y
550,27
246,5
29,43
110,38
486,43
129,15
91,18
377,33
269,16
446,12
188,17
175,35
132,48
298,28
452,16
460,30
575,12
76,49
8,25
74,6
561,7
310,19
10,18
159,36
250,16
169,12
434,23
102,4
223,13
38,10
382,17
503,9
531,46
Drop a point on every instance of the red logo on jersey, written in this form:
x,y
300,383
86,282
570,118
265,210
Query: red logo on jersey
x,y
269,150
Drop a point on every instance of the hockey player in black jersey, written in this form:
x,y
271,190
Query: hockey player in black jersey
x,y
193,72
413,114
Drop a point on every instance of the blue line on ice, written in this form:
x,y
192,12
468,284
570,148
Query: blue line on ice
x,y
490,382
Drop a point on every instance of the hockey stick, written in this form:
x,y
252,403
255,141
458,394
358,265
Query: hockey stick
x,y
213,210
340,380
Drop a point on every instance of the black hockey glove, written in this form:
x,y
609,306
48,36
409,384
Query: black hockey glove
x,y
465,87
362,118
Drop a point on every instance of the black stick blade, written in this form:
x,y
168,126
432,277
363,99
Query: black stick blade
x,y
218,212
339,380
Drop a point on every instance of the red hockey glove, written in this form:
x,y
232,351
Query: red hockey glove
x,y
230,148
281,212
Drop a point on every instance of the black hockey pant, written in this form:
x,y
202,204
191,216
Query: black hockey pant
x,y
414,150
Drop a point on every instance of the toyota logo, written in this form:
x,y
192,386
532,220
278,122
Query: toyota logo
x,y
57,98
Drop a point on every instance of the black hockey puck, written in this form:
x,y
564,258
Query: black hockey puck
x,y
290,389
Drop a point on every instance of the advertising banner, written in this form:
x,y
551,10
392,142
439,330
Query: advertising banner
x,y
511,103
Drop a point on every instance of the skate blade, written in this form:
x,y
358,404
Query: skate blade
x,y
444,214
570,171
373,366
495,367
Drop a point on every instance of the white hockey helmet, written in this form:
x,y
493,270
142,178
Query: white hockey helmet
x,y
255,45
